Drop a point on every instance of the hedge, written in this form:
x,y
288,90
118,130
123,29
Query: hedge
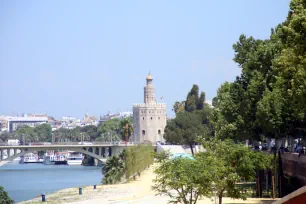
x,y
137,158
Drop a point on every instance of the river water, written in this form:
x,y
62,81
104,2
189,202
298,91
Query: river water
x,y
26,181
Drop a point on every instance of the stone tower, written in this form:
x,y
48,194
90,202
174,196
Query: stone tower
x,y
149,118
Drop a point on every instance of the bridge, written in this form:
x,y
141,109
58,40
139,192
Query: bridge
x,y
100,151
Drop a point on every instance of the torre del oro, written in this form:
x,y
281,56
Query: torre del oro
x,y
150,117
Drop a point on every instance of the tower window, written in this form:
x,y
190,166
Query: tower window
x,y
143,118
159,132
143,132
158,118
151,118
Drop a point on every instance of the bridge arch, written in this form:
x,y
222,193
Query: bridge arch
x,y
31,150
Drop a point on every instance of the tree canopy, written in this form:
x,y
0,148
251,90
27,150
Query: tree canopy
x,y
183,180
215,171
110,131
269,96
232,163
188,125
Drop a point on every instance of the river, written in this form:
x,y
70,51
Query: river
x,y
26,181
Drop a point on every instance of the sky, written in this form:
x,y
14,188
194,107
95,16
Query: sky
x,y
68,58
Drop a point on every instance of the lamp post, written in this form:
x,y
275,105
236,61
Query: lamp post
x,y
52,138
23,137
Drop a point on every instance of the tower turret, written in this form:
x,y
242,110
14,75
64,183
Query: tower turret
x,y
149,90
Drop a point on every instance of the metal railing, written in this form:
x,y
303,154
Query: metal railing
x,y
80,143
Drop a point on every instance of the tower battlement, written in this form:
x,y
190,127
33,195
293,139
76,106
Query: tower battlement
x,y
146,105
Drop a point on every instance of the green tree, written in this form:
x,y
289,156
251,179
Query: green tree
x,y
44,132
192,101
4,198
91,130
76,135
186,127
26,134
110,125
232,110
109,131
179,107
61,134
201,101
232,163
126,128
183,180
4,136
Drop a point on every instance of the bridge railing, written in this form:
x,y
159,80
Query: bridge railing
x,y
80,143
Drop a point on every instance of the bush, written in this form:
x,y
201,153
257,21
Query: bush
x,y
138,158
4,198
130,162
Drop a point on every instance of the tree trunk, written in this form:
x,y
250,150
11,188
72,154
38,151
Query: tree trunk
x,y
220,197
278,143
291,143
247,143
273,187
190,144
269,143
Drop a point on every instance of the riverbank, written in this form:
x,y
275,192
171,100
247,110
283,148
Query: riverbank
x,y
138,191
3,162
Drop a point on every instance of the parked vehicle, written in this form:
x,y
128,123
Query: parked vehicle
x,y
85,143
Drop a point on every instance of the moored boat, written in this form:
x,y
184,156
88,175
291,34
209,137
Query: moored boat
x,y
75,158
29,158
56,158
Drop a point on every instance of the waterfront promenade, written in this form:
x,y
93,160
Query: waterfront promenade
x,y
138,191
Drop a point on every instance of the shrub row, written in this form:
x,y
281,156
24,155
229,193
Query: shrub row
x,y
137,158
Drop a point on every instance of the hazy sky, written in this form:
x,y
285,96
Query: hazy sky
x,y
75,57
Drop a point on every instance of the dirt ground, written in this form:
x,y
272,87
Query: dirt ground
x,y
138,191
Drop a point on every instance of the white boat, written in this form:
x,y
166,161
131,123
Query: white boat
x,y
29,158
75,158
57,158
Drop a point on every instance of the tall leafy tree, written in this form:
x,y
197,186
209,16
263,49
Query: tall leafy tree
x,y
26,134
109,131
192,99
186,127
44,132
179,107
91,130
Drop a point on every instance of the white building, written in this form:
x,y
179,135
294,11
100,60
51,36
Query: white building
x,y
149,118
14,122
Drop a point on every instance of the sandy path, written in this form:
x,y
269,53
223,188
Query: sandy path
x,y
138,191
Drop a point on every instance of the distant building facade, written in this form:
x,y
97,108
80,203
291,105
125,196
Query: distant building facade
x,y
89,120
150,117
109,116
14,122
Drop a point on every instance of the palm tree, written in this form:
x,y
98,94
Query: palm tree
x,y
113,170
126,129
